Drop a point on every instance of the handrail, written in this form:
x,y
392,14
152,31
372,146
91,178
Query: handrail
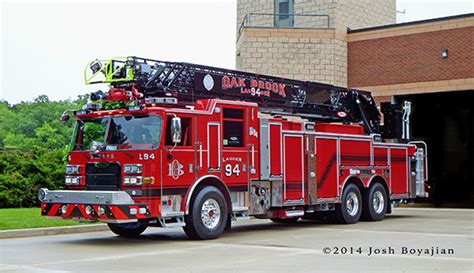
x,y
425,155
248,22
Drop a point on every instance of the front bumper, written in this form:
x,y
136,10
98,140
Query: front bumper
x,y
102,206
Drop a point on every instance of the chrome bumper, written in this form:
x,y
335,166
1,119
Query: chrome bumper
x,y
85,197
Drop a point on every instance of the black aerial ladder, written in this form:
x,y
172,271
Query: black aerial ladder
x,y
274,95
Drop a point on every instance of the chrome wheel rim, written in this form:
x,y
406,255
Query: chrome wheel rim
x,y
210,213
378,202
352,204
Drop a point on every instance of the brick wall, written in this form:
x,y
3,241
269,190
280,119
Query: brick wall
x,y
411,58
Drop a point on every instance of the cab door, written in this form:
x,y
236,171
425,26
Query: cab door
x,y
178,159
235,153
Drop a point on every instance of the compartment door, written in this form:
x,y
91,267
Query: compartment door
x,y
399,170
275,151
293,175
327,166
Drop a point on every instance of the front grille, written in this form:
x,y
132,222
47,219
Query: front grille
x,y
103,176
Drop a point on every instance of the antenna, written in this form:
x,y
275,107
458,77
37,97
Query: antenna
x,y
401,18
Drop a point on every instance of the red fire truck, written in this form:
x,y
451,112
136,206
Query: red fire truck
x,y
197,147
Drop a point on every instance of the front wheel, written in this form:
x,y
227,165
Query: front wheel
x,y
208,215
128,230
350,209
375,203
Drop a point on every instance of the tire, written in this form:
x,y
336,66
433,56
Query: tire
x,y
208,215
285,220
350,209
128,230
375,203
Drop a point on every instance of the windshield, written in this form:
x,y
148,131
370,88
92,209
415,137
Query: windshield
x,y
119,133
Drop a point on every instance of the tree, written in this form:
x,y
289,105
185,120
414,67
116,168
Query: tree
x,y
33,146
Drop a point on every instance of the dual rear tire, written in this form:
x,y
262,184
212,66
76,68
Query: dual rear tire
x,y
369,206
350,208
375,203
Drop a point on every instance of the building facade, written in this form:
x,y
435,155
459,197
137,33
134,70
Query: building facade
x,y
310,43
357,44
413,58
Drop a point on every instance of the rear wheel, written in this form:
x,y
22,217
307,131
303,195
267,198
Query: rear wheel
x,y
350,209
208,215
129,230
375,203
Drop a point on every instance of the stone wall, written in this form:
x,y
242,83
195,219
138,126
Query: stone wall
x,y
245,7
343,13
304,54
312,50
356,14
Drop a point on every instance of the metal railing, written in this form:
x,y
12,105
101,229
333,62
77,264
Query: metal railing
x,y
284,20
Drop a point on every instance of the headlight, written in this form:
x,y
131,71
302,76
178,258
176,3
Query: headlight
x,y
72,180
72,169
133,180
132,168
42,194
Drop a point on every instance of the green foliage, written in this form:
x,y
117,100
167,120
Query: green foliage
x,y
115,104
23,173
29,218
93,131
33,144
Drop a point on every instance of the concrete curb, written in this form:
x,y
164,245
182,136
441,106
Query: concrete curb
x,y
29,232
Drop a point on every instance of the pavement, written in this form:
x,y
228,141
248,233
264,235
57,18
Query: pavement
x,y
409,240
30,232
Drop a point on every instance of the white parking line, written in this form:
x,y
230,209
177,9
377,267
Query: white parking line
x,y
125,256
399,232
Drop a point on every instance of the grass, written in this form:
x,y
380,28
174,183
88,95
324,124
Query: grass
x,y
29,218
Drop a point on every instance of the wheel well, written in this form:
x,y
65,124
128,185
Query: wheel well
x,y
353,180
204,182
382,181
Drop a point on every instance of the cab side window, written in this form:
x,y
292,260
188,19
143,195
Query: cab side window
x,y
233,123
185,133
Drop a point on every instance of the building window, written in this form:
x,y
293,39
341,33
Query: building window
x,y
233,122
284,13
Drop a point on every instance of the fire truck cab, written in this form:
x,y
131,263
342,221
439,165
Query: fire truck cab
x,y
201,164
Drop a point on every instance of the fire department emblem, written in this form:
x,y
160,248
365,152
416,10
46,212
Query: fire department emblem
x,y
175,169
208,82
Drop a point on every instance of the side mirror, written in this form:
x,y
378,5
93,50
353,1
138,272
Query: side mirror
x,y
64,118
176,130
